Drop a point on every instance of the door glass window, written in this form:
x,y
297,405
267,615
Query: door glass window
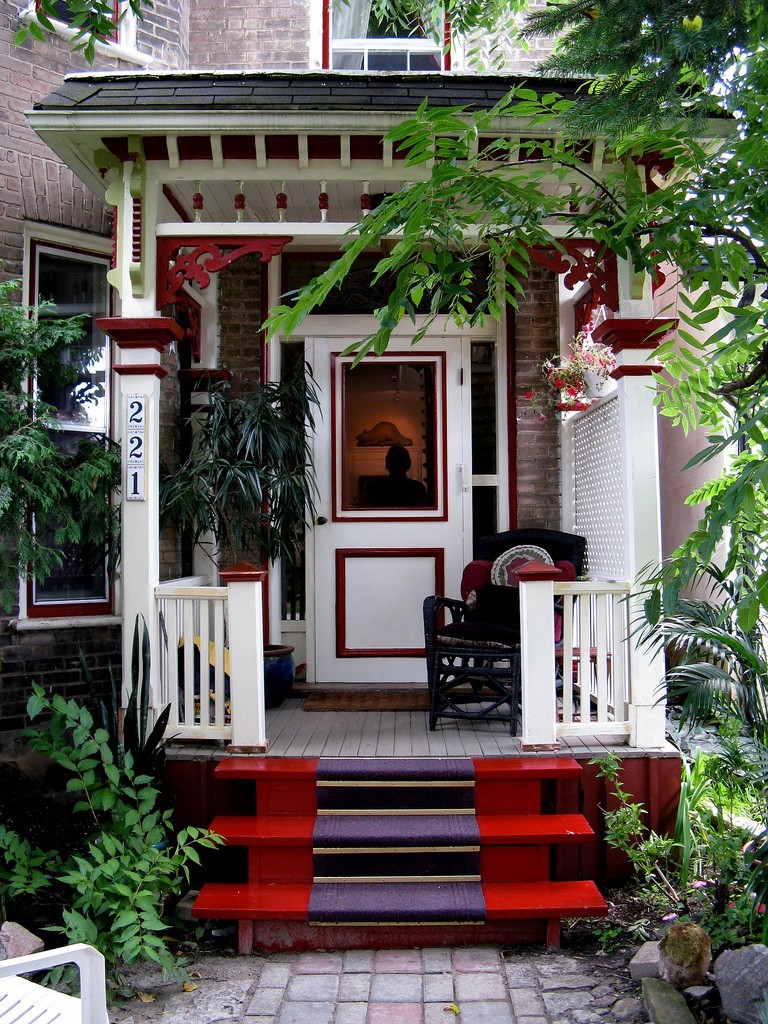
x,y
389,435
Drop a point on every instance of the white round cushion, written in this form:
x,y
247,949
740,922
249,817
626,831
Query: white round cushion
x,y
504,569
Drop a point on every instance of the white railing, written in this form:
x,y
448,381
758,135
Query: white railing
x,y
585,689
211,667
595,693
194,673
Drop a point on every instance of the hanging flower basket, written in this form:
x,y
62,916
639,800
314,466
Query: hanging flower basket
x,y
579,379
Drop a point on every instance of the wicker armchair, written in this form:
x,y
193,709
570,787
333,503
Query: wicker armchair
x,y
470,676
473,660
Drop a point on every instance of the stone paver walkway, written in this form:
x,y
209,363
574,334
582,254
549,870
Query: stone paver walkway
x,y
473,985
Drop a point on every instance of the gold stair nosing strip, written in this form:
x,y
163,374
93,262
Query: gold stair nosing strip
x,y
395,924
334,850
391,879
395,810
400,783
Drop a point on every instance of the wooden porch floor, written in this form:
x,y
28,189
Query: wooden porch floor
x,y
294,732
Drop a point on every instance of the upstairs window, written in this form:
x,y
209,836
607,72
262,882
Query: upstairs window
x,y
121,43
358,41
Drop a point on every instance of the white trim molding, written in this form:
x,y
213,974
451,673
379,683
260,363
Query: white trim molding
x,y
123,48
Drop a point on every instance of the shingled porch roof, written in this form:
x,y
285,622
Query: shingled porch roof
x,y
322,90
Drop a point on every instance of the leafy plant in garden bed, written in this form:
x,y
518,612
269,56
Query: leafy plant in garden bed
x,y
248,481
135,734
701,873
114,889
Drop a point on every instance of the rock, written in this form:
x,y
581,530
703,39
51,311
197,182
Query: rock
x,y
555,981
184,906
741,976
628,1009
685,954
588,1017
665,1004
645,962
699,992
15,940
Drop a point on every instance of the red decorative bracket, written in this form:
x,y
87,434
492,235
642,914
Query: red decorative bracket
x,y
206,256
634,332
584,260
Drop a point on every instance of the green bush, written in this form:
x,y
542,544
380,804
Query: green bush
x,y
115,888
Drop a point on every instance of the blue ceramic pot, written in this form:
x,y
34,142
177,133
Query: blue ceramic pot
x,y
279,671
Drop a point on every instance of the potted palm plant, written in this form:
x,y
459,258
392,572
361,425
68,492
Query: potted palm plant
x,y
246,488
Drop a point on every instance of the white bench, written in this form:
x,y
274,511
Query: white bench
x,y
26,1002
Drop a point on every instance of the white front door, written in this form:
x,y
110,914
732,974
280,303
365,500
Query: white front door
x,y
391,453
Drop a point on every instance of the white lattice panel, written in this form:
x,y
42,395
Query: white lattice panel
x,y
598,491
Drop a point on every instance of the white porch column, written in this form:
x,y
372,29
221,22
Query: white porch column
x,y
140,341
246,656
537,655
633,341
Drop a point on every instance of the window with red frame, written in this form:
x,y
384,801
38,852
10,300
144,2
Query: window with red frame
x,y
355,40
76,283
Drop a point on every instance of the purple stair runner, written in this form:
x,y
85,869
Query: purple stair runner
x,y
397,902
424,865
374,769
395,830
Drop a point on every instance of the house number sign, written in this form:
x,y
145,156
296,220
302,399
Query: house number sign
x,y
136,420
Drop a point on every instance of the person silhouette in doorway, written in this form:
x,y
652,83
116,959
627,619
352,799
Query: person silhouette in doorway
x,y
397,489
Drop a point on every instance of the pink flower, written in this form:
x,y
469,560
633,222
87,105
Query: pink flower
x,y
669,917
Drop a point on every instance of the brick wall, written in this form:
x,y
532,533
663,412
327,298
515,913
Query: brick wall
x,y
239,322
538,440
259,36
51,657
501,55
163,32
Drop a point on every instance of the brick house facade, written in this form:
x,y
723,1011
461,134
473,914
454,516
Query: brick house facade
x,y
43,200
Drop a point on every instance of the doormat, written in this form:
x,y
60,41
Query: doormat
x,y
370,700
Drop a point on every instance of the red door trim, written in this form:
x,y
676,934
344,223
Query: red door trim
x,y
342,554
340,512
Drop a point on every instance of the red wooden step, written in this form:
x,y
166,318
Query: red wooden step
x,y
267,767
503,900
509,829
494,828
506,900
526,768
284,785
513,785
253,902
264,831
